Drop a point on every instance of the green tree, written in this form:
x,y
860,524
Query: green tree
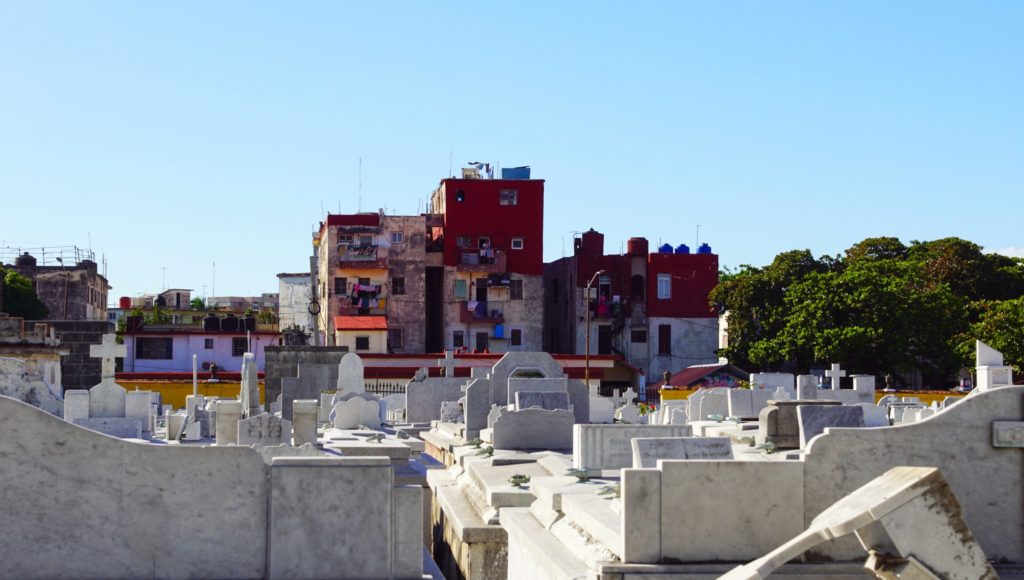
x,y
1000,325
197,304
157,316
19,297
266,316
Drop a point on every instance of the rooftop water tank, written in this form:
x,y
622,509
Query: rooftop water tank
x,y
229,323
682,249
211,323
665,249
704,249
636,246
25,259
592,243
124,303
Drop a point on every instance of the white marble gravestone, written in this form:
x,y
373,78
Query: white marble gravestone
x,y
304,412
350,374
356,412
814,419
229,413
602,410
107,398
265,429
806,387
250,388
648,450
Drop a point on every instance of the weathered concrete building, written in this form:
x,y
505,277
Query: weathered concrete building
x,y
467,276
295,292
649,307
69,284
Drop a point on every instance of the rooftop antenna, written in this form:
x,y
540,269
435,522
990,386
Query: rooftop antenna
x,y
451,159
697,245
213,282
360,207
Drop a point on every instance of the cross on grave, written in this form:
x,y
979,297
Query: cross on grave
x,y
108,350
836,374
449,363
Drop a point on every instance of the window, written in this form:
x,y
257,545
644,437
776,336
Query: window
x,y
508,197
517,243
394,339
460,195
484,242
364,281
208,344
481,341
344,239
398,286
458,338
664,339
463,242
516,290
397,238
604,286
638,335
516,337
362,343
154,348
341,286
239,346
461,292
365,240
664,286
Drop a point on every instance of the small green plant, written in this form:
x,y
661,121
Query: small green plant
x,y
716,418
486,451
581,475
375,438
476,442
519,479
768,448
611,491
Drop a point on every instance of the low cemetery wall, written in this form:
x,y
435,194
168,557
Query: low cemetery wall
x,y
80,504
173,392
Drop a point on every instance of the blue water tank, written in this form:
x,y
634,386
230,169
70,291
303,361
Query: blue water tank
x,y
499,331
665,249
704,249
682,249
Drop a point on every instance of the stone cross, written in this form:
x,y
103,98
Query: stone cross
x,y
449,363
108,350
836,374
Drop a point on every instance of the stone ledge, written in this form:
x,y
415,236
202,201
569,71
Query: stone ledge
x,y
463,519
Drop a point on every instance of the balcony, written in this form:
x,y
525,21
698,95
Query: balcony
x,y
481,315
472,261
362,257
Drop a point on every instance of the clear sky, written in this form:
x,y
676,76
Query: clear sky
x,y
178,134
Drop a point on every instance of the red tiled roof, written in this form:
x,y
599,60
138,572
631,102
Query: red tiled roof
x,y
360,323
690,375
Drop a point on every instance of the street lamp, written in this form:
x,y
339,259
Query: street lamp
x,y
586,364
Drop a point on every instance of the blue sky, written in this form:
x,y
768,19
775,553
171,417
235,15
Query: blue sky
x,y
178,134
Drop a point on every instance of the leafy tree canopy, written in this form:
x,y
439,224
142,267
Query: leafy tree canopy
x,y
20,298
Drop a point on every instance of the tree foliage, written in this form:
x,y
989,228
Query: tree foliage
x,y
882,307
197,304
20,298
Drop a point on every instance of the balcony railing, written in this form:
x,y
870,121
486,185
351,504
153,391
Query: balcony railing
x,y
473,261
361,257
481,314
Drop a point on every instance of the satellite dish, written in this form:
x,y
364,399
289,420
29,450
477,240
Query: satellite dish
x,y
314,308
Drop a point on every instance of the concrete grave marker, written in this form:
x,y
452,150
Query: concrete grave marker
x,y
304,421
836,373
542,399
814,419
806,388
601,410
229,413
597,447
533,428
264,429
355,412
648,450
249,392
350,374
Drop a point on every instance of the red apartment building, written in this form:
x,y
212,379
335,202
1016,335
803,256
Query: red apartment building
x,y
467,275
650,308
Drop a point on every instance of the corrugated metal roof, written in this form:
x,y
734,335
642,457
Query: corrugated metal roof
x,y
360,323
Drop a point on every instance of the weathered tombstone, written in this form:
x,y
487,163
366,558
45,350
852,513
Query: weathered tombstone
x,y
648,450
541,399
579,400
324,412
304,413
677,417
814,419
250,389
107,398
277,406
597,447
991,370
355,412
779,425
451,412
309,382
601,410
874,416
533,428
229,413
137,404
76,405
628,413
781,394
806,388
713,404
835,373
350,374
864,385
264,429
909,522
123,427
747,403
